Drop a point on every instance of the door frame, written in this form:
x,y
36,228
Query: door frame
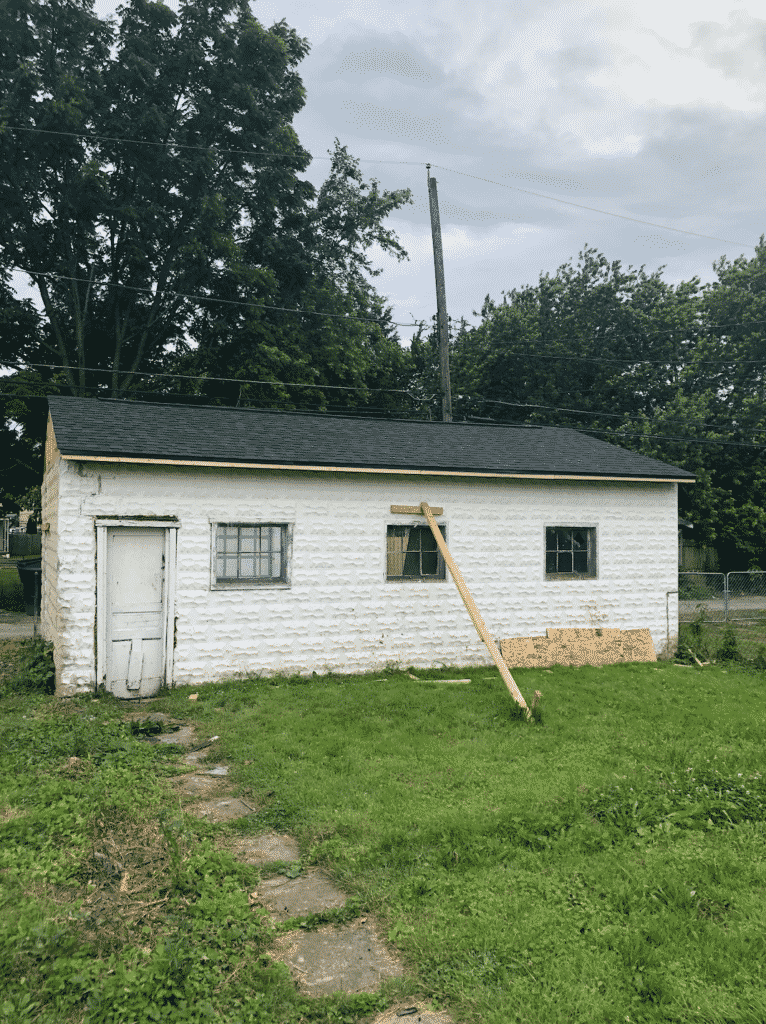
x,y
170,526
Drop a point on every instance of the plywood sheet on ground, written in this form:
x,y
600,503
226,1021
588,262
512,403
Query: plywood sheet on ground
x,y
578,647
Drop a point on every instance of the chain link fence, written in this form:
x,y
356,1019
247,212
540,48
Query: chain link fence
x,y
721,597
734,600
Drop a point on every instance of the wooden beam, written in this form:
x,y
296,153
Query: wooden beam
x,y
413,510
297,468
473,611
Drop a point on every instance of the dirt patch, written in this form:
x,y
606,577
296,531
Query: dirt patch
x,y
349,958
125,879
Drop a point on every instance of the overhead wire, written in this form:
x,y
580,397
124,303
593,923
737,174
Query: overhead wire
x,y
362,411
344,316
593,412
451,170
245,382
204,377
204,149
593,209
209,298
538,355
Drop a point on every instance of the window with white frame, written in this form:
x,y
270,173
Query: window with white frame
x,y
250,554
412,554
570,552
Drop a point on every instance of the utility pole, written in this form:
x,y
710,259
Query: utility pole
x,y
441,298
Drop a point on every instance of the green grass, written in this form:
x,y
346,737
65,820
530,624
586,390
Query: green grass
x,y
11,591
607,864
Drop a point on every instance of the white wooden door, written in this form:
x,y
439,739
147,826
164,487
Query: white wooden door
x,y
135,610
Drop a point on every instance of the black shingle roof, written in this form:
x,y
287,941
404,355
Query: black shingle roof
x,y
147,430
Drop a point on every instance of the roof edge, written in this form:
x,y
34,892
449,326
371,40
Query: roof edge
x,y
299,468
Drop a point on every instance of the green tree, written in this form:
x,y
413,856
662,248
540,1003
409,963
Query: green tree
x,y
341,345
578,340
148,163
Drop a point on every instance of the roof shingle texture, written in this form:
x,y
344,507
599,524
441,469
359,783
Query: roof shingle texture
x,y
148,430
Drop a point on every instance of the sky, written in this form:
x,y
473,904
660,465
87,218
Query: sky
x,y
654,111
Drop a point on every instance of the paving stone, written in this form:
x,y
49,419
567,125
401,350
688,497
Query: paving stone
x,y
198,785
222,809
310,893
347,959
183,736
266,848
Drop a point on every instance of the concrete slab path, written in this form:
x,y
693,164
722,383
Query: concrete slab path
x,y
350,957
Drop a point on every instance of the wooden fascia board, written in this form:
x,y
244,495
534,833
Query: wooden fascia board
x,y
374,469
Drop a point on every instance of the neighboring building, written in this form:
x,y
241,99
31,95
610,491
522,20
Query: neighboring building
x,y
188,544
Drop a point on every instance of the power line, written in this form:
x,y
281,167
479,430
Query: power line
x,y
519,355
361,411
204,149
205,377
593,209
343,387
452,170
149,142
591,412
646,437
210,298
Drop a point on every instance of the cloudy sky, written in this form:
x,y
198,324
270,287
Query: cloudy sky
x,y
652,110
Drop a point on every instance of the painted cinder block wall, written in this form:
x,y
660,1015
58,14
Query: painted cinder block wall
x,y
339,612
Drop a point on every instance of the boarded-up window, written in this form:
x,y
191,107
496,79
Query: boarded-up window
x,y
251,553
412,553
570,551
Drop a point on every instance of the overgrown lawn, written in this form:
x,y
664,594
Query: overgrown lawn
x,y
607,864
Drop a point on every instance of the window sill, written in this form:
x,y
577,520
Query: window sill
x,y
415,579
244,585
560,576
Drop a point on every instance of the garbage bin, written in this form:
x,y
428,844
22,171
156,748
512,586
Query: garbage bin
x,y
31,576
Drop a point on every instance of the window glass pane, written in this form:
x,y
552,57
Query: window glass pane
x,y
276,541
276,565
579,541
581,561
565,561
264,562
247,539
428,541
411,564
395,550
564,538
247,566
230,570
430,561
220,566
550,539
550,561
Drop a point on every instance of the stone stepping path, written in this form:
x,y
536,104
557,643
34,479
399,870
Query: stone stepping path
x,y
351,957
